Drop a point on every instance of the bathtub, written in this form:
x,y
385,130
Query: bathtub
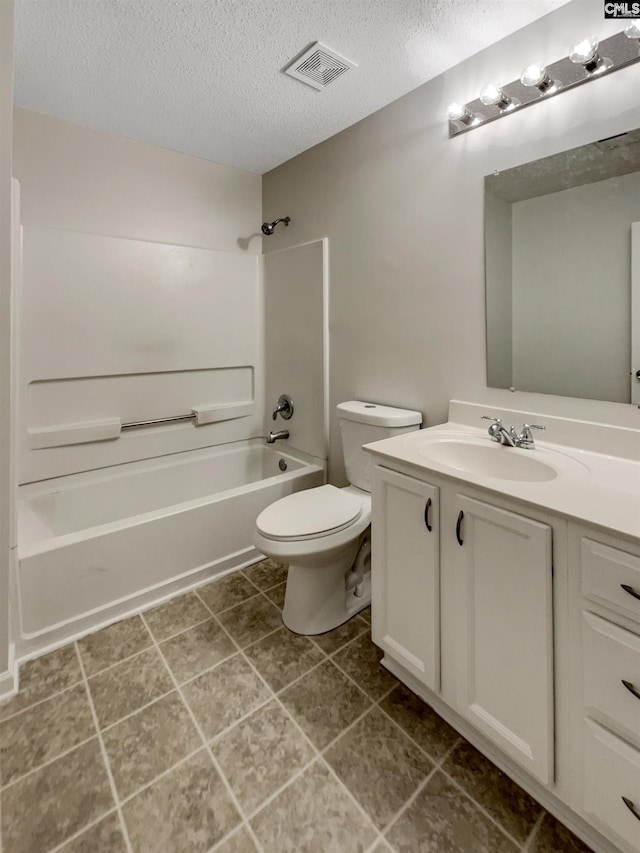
x,y
95,546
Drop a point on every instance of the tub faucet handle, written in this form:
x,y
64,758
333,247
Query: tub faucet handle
x,y
284,407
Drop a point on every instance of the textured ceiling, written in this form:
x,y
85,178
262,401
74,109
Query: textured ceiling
x,y
205,76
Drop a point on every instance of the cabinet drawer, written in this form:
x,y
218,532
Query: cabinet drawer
x,y
606,572
611,657
611,772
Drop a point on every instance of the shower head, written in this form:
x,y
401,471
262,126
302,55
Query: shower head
x,y
269,227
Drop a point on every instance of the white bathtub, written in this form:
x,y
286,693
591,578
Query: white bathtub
x,y
94,546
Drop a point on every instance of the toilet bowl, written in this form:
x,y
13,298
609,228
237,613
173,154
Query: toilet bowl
x,y
322,534
318,533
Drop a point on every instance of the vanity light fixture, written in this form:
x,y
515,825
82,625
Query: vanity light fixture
x,y
585,53
588,60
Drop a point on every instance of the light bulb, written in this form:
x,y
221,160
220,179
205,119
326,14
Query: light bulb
x,y
632,31
455,111
535,74
458,112
585,51
493,96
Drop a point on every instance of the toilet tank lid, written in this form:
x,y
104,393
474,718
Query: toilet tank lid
x,y
373,413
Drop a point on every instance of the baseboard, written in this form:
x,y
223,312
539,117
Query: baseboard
x,y
9,679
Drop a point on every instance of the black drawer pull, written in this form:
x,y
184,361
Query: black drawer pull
x,y
426,515
458,524
630,590
630,805
631,688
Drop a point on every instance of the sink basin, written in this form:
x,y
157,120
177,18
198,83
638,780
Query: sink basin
x,y
489,460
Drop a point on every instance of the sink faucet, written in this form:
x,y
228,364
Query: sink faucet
x,y
510,437
276,436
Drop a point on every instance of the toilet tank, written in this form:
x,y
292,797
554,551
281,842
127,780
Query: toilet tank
x,y
361,423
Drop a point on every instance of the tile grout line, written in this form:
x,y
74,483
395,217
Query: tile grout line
x,y
534,832
40,701
437,765
481,808
128,716
207,747
105,757
126,800
46,763
319,753
84,829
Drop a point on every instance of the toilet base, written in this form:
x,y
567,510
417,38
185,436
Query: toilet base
x,y
317,601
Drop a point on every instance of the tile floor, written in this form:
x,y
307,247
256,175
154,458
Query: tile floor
x,y
204,724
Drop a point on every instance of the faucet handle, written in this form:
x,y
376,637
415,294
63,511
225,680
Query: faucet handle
x,y
526,439
495,428
284,407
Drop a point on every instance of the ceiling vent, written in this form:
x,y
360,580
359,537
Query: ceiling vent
x,y
318,66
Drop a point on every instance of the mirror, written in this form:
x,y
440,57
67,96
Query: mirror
x,y
560,235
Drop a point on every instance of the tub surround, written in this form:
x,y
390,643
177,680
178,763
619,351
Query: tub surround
x,y
95,546
504,593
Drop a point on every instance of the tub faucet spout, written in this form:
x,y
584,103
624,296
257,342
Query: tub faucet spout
x,y
276,436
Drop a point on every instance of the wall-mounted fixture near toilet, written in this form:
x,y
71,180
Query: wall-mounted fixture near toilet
x,y
323,533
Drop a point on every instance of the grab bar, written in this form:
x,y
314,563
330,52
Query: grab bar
x,y
110,428
133,424
202,415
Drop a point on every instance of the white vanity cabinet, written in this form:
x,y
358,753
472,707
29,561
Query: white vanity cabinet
x,y
501,626
405,578
525,597
494,617
605,574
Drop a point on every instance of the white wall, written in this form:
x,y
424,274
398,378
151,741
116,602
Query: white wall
x,y
402,205
6,485
572,290
294,286
141,297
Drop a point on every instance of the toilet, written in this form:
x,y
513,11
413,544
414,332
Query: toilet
x,y
323,534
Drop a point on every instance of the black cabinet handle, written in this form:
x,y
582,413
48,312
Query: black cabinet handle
x,y
631,688
630,805
426,515
630,590
458,523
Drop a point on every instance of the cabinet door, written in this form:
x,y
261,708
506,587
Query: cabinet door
x,y
504,574
405,571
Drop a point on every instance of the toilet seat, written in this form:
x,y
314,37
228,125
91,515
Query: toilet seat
x,y
309,514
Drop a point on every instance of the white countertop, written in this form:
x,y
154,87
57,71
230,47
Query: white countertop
x,y
589,486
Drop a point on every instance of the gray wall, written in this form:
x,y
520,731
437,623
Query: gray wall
x,y
499,272
402,205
